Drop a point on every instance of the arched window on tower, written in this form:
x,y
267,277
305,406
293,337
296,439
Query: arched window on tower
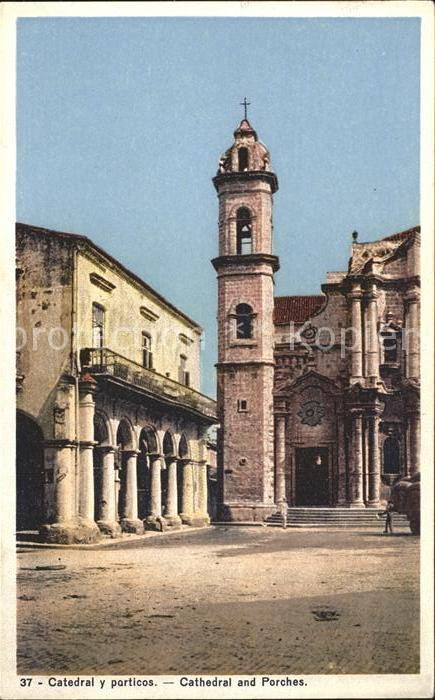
x,y
243,159
244,321
244,232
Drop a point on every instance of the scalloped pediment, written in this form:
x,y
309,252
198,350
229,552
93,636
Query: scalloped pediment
x,y
311,378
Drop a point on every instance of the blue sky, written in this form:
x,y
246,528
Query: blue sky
x,y
121,122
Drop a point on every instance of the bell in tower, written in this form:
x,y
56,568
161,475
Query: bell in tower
x,y
245,267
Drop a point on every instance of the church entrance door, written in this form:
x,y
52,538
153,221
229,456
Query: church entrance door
x,y
312,476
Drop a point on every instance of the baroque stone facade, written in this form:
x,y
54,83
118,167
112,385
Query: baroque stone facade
x,y
318,396
111,426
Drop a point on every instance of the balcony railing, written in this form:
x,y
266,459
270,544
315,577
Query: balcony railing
x,y
106,362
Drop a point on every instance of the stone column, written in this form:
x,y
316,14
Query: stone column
x,y
280,462
414,441
341,457
202,516
365,460
87,388
371,339
412,334
59,458
356,459
374,470
171,514
188,493
156,488
356,350
130,522
106,499
63,526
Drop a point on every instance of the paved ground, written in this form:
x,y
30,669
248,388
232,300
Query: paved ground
x,y
224,600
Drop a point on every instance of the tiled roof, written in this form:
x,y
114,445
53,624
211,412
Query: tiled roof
x,y
403,234
297,309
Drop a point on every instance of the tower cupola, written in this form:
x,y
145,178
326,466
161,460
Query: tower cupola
x,y
247,156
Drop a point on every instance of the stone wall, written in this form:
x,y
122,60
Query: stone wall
x,y
131,310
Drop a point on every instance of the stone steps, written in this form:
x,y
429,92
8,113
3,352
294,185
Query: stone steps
x,y
334,517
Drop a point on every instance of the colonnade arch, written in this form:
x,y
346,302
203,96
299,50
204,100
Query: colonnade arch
x,y
143,475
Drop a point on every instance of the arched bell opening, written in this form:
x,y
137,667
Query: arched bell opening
x,y
244,231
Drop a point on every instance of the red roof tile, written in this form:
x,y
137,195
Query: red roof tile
x,y
297,309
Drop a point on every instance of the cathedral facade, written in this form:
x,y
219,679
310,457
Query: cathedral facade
x,y
318,396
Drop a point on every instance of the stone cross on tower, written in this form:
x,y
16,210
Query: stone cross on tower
x,y
245,104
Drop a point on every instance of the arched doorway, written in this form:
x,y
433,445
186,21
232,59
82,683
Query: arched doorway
x,y
29,473
124,442
391,456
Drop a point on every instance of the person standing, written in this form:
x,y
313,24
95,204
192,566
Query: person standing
x,y
389,517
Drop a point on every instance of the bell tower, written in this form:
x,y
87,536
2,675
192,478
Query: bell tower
x,y
245,267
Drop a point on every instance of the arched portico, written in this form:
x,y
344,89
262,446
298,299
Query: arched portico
x,y
104,477
127,466
170,480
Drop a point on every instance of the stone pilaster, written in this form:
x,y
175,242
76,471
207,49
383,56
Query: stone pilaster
x,y
280,460
202,516
412,334
341,450
130,521
371,338
356,319
374,470
356,460
414,441
106,498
